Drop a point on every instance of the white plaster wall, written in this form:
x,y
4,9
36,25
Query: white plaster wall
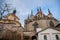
x,y
38,29
50,33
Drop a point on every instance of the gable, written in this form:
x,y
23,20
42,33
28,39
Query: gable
x,y
50,30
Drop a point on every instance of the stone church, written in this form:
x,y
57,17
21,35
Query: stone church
x,y
36,27
45,27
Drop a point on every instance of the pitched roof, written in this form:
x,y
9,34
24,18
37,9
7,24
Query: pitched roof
x,y
45,29
12,15
58,25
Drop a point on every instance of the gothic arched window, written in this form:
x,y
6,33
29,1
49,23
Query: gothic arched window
x,y
45,37
35,25
57,37
51,24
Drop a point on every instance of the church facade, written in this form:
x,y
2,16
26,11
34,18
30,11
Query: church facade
x,y
36,27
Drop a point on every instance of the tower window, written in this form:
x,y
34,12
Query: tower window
x,y
51,24
45,37
57,37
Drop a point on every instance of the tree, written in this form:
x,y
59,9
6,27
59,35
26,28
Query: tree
x,y
3,9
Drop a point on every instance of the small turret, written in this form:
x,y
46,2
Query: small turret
x,y
0,16
14,11
31,13
28,16
49,14
32,16
39,10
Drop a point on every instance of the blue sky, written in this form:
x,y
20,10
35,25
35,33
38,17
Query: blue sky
x,y
24,7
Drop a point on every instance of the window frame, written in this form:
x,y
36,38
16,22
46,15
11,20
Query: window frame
x,y
45,37
57,37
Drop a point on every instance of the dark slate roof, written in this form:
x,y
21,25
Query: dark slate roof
x,y
58,25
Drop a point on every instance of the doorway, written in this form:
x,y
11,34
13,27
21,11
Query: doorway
x,y
34,38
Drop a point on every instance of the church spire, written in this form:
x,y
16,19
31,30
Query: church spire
x,y
37,10
40,9
49,13
28,16
31,13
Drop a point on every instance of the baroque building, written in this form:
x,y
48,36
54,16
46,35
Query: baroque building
x,y
10,27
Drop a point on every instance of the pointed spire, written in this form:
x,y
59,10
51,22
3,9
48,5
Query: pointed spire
x,y
37,9
31,13
49,11
28,16
40,9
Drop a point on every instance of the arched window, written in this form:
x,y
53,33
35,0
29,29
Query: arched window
x,y
57,37
51,24
45,37
35,25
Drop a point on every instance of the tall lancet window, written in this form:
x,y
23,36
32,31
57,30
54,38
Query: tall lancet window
x,y
35,26
57,37
45,37
51,24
